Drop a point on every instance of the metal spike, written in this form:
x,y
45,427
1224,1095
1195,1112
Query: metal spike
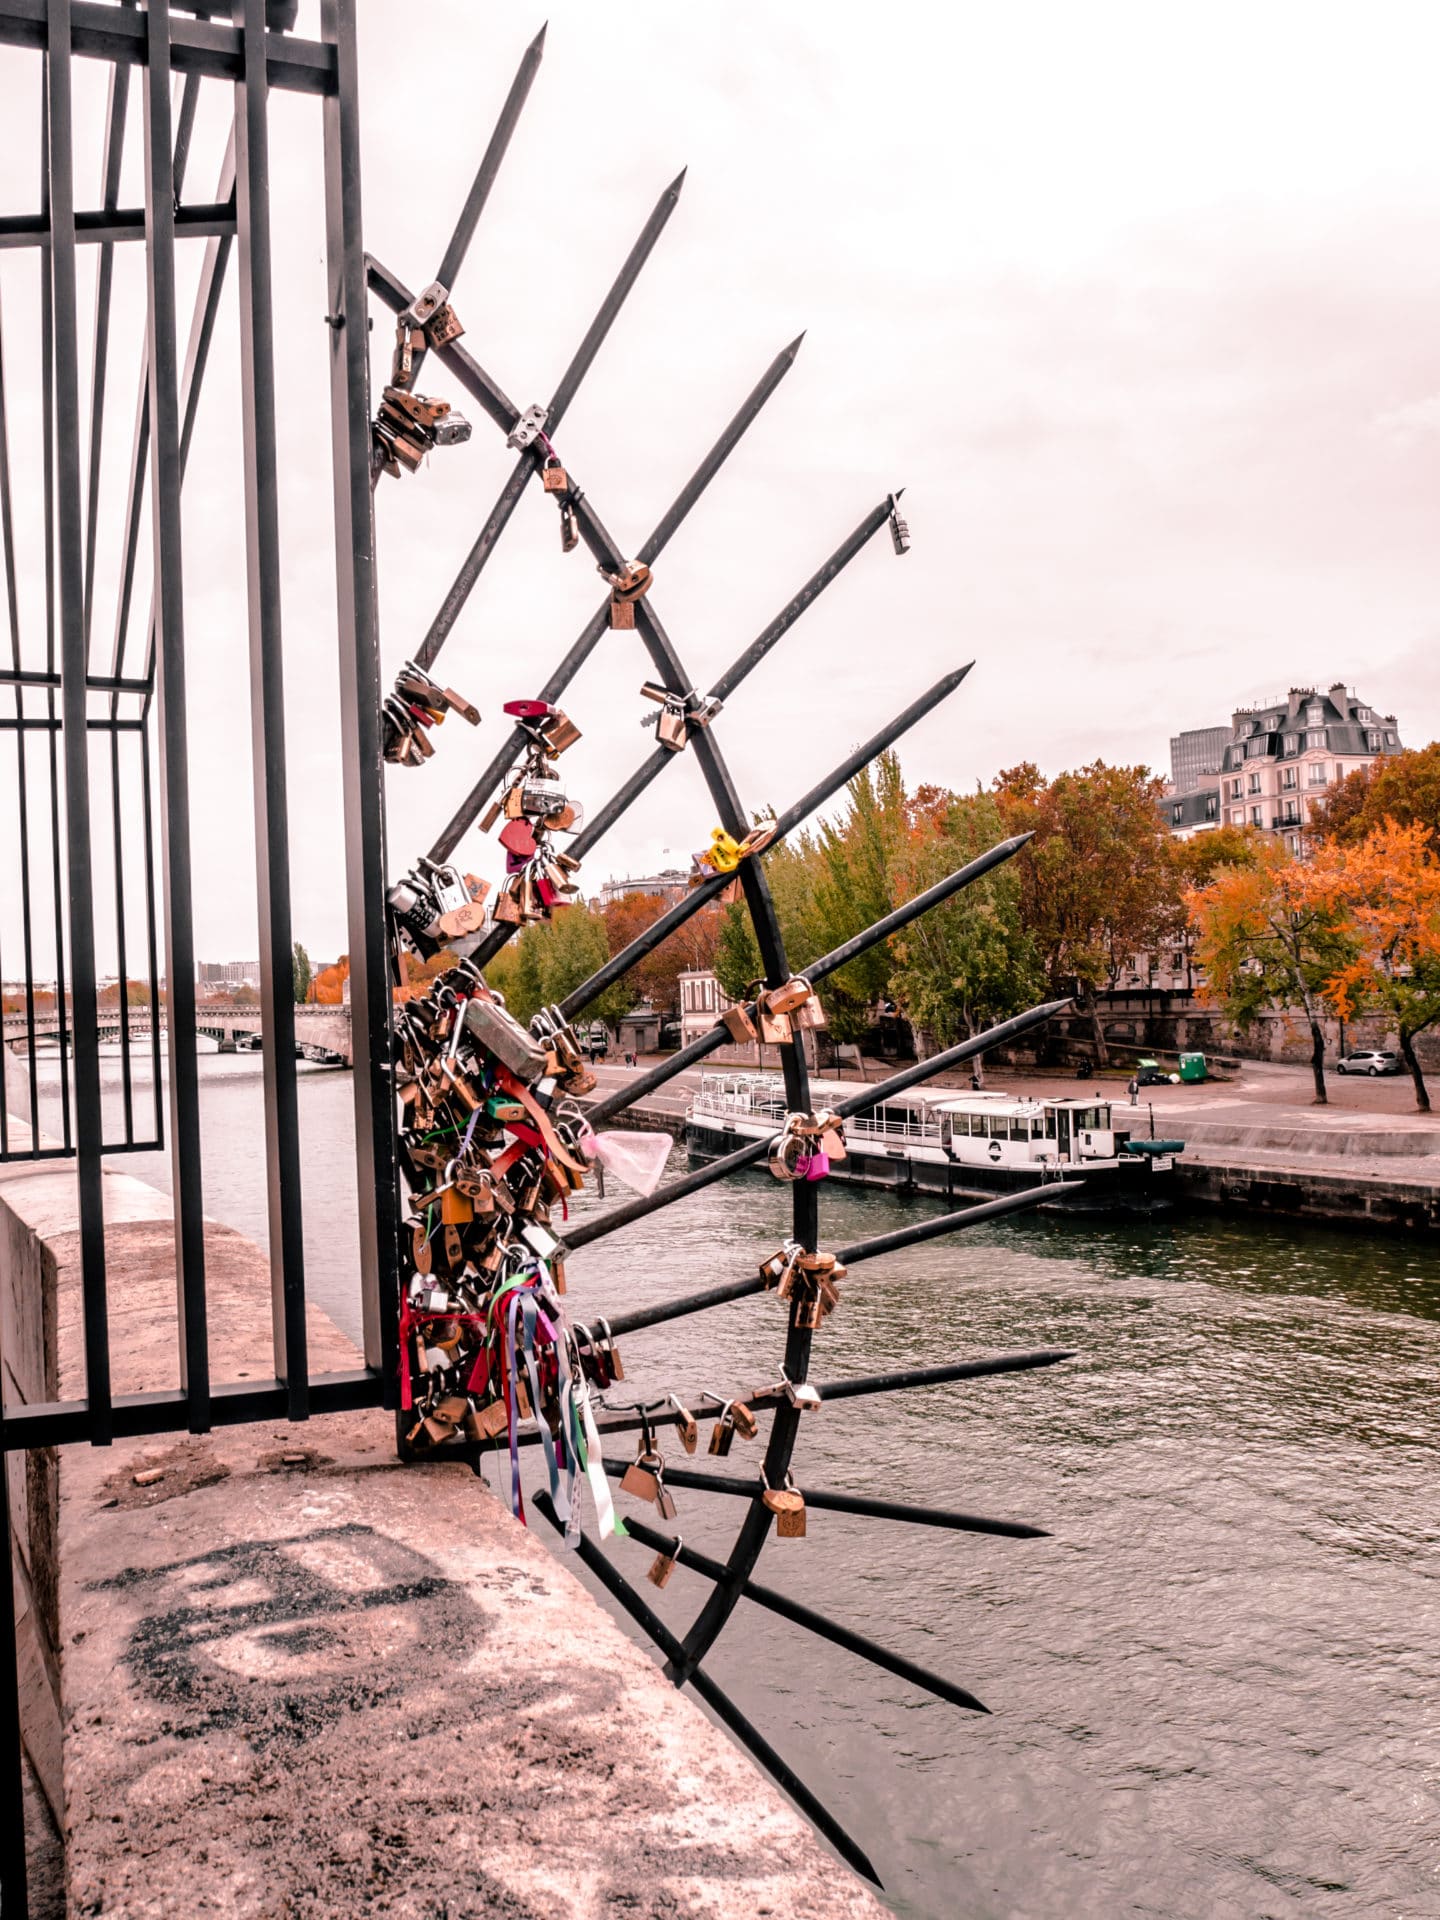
x,y
856,1504
807,1617
997,1209
719,1703
454,256
598,625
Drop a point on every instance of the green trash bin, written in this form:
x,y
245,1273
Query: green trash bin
x,y
1192,1067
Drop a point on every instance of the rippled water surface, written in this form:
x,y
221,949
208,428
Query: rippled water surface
x,y
1214,1687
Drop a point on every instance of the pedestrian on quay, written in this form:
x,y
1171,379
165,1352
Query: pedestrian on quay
x,y
1134,1091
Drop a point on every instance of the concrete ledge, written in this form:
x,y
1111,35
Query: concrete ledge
x,y
1324,1136
299,1679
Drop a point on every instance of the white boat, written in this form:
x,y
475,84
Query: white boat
x,y
938,1141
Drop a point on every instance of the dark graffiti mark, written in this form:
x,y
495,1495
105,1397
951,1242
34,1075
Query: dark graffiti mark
x,y
278,1638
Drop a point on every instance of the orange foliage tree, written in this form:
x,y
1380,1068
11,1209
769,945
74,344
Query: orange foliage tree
x,y
330,982
1267,937
1385,891
690,948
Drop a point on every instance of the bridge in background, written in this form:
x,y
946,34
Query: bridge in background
x,y
321,1029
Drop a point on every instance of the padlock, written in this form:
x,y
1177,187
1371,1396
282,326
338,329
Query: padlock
x,y
569,527
789,995
527,428
671,730
788,1506
642,1477
808,1312
801,1395
423,308
686,1425
775,1029
612,1358
663,1565
722,1433
622,614
745,1423
553,476
444,326
738,1024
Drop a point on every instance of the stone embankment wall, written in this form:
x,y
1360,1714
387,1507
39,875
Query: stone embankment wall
x,y
270,1670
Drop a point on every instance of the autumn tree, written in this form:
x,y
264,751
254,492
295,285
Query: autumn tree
x,y
968,963
1095,884
330,982
1401,787
689,949
1267,938
1386,891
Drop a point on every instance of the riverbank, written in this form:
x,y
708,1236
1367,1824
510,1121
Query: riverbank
x,y
295,1676
1250,1147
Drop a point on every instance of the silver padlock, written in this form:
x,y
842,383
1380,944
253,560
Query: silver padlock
x,y
423,308
527,428
802,1396
452,431
449,888
899,526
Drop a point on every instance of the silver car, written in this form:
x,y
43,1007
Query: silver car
x,y
1369,1060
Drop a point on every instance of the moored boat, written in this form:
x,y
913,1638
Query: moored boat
x,y
938,1141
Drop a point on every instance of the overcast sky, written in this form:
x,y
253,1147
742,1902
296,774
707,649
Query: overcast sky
x,y
1141,305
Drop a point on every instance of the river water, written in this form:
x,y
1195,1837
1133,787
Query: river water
x,y
1213,1688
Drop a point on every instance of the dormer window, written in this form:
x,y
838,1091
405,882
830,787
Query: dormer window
x,y
1363,713
1314,714
1291,743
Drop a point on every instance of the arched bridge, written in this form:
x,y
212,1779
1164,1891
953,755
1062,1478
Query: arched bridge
x,y
317,1029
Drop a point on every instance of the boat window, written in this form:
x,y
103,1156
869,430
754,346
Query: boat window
x,y
1019,1129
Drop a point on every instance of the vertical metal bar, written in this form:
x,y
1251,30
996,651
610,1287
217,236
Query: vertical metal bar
x,y
79,873
152,958
364,793
174,754
122,978
14,1892
109,196
47,381
267,714
12,605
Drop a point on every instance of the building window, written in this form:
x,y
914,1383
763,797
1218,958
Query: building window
x,y
1363,713
1237,787
1389,738
1292,743
1319,774
1254,748
1257,816
1212,806
1237,816
1292,813
1175,813
1254,783
1314,714
1292,841
1289,776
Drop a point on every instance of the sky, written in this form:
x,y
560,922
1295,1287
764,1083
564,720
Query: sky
x,y
1140,305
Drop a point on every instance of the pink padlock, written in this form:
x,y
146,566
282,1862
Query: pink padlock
x,y
812,1166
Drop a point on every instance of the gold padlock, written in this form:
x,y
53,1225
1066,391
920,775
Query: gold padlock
x,y
554,477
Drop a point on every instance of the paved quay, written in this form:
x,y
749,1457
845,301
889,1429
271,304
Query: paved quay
x,y
298,1679
1256,1141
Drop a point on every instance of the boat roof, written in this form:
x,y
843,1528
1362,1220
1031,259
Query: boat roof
x,y
944,1099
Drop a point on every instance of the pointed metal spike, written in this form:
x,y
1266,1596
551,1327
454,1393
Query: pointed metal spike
x,y
794,346
687,1303
719,1702
802,1616
453,258
537,45
611,305
678,182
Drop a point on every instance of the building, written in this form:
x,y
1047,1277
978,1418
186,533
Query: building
x,y
672,885
701,1004
1280,759
1195,757
227,973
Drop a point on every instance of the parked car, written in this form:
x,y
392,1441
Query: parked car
x,y
1369,1060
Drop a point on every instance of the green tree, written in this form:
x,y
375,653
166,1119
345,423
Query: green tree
x,y
551,959
970,962
303,973
737,957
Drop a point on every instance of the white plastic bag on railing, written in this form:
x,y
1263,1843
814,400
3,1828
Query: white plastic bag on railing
x,y
637,1160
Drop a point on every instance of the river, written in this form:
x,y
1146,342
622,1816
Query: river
x,y
1213,1688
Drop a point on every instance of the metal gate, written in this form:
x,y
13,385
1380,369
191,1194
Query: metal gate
x,y
53,689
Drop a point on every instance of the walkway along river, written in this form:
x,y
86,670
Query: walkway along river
x,y
1212,1689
